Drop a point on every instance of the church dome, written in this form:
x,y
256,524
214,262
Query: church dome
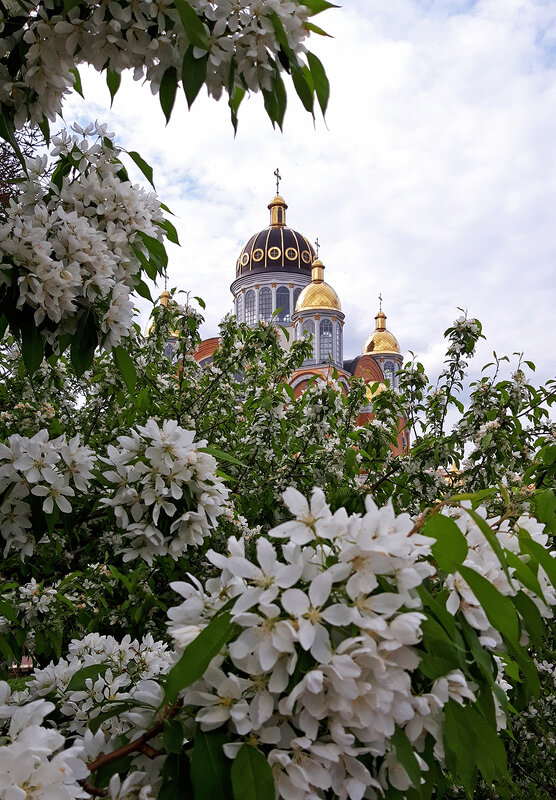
x,y
381,340
318,294
276,248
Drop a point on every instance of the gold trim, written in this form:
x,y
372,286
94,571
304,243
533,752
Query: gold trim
x,y
289,255
257,255
274,253
244,260
306,256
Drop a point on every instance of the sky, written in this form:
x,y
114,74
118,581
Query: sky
x,y
432,180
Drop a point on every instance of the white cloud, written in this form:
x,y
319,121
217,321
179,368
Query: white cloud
x,y
433,182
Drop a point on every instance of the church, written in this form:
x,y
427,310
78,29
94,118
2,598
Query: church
x,y
280,278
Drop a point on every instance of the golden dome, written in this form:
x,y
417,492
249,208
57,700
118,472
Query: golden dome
x,y
381,340
318,294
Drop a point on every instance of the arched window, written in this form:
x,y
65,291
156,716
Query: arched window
x,y
325,341
265,304
250,307
283,303
339,354
296,293
306,331
389,373
239,310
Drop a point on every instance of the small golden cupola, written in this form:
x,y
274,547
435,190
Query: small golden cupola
x,y
381,340
318,295
318,316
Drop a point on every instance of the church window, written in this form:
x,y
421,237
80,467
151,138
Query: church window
x,y
389,373
250,307
265,304
339,355
239,308
283,304
309,332
325,341
296,293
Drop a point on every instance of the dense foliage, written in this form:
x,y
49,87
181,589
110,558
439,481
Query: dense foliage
x,y
209,587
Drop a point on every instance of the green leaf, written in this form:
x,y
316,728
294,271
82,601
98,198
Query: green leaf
x,y
145,168
539,553
220,455
115,572
282,38
252,777
460,755
450,549
7,132
310,26
44,128
492,539
76,81
545,503
142,289
320,81
117,708
170,230
531,617
156,249
125,366
198,655
303,89
176,784
7,610
406,756
498,608
113,80
192,25
193,74
84,342
210,768
93,671
524,574
275,99
316,6
173,736
32,345
481,656
167,91
7,652
234,103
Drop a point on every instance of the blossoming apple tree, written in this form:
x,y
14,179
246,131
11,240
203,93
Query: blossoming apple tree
x,y
200,619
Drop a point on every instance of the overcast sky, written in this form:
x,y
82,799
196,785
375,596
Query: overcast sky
x,y
432,182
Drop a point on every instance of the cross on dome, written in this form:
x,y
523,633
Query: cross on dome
x,y
317,245
278,179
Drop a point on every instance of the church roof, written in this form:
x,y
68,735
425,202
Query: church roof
x,y
381,340
318,294
276,248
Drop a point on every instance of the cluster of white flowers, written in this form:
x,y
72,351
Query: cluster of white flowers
x,y
144,37
127,665
38,467
321,670
483,560
165,493
72,248
34,760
